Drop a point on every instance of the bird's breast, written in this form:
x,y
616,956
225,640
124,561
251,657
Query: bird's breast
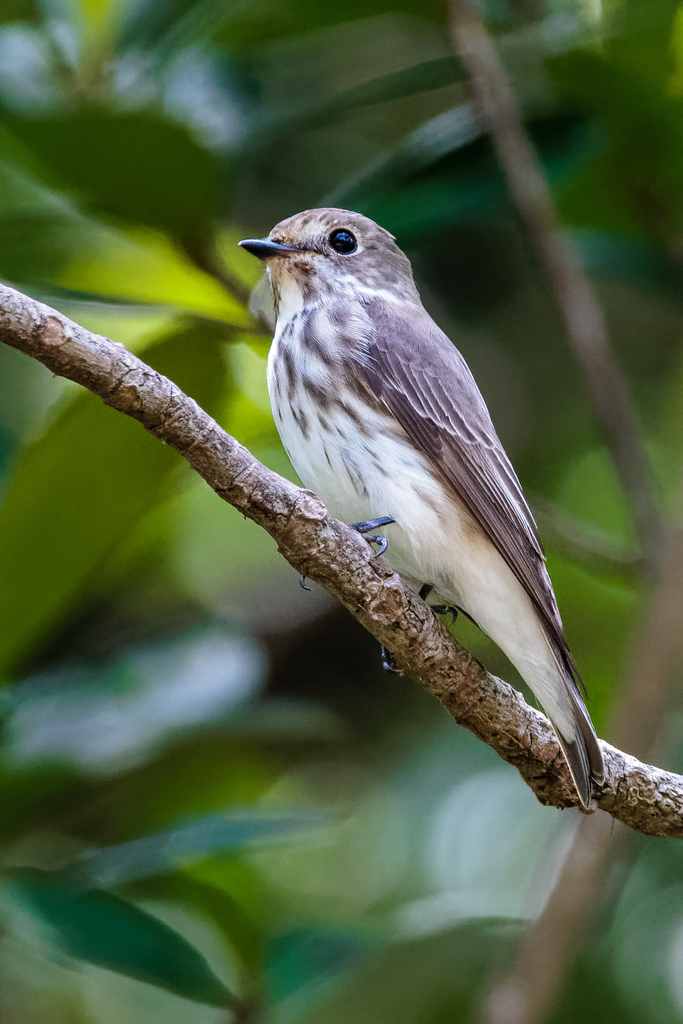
x,y
334,436
354,454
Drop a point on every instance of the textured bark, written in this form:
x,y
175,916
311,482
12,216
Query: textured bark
x,y
644,797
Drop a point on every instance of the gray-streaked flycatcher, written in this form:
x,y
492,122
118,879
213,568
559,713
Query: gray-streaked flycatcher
x,y
382,418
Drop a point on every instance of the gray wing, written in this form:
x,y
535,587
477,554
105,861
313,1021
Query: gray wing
x,y
416,371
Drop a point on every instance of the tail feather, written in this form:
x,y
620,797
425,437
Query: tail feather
x,y
582,750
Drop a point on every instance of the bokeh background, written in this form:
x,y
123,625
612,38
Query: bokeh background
x,y
206,780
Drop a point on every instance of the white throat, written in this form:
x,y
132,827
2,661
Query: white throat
x,y
290,296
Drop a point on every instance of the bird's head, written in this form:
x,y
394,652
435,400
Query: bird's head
x,y
327,253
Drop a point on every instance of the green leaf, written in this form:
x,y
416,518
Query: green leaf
x,y
99,17
595,997
238,927
170,25
142,265
445,172
322,111
154,854
102,929
34,243
305,956
81,489
437,138
251,24
130,165
139,328
20,10
623,259
634,184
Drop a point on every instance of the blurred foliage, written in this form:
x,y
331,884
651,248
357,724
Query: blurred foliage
x,y
101,928
207,784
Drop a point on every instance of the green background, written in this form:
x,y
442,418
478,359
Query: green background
x,y
208,786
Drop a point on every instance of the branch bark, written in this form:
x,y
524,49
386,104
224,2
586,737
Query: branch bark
x,y
644,797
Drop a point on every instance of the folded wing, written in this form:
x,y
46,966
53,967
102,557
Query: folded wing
x,y
415,369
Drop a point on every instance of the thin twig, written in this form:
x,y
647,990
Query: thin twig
x,y
586,544
203,253
648,799
572,290
246,1012
528,992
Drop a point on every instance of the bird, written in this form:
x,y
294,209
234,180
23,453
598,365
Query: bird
x,y
381,417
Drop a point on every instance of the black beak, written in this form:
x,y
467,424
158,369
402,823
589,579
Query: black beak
x,y
264,247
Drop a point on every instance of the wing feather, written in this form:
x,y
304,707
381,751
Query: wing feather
x,y
417,372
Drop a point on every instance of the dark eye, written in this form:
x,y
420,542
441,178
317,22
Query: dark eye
x,y
343,241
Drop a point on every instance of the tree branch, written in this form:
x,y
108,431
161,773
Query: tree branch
x,y
644,797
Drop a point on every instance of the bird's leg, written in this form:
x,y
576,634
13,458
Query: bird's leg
x,y
367,525
439,609
302,582
364,528
446,609
389,662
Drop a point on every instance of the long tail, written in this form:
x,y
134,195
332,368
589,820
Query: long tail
x,y
582,750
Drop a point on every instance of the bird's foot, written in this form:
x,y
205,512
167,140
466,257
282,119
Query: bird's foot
x,y
446,609
438,609
302,582
389,662
368,525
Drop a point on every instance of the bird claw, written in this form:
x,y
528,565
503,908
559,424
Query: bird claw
x,y
446,609
302,582
377,538
389,662
438,609
367,525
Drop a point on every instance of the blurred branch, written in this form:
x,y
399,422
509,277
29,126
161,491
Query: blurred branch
x,y
247,1012
580,310
203,253
650,670
585,543
527,995
648,799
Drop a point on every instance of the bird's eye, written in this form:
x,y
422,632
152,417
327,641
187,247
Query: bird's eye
x,y
343,241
